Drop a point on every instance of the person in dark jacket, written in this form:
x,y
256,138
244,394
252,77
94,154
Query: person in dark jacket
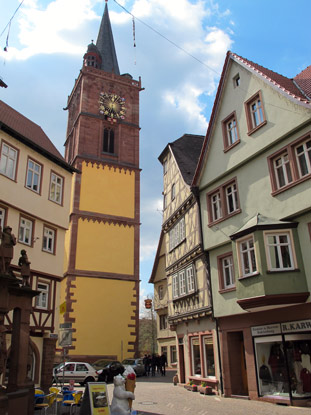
x,y
163,363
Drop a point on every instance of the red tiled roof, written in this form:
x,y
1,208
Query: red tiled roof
x,y
27,129
284,83
303,79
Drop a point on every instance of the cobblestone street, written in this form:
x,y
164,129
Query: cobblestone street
x,y
158,396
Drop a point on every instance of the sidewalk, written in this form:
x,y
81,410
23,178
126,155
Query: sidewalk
x,y
158,396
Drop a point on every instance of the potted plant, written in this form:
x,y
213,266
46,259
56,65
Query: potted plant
x,y
191,386
204,389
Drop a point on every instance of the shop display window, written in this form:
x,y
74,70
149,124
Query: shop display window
x,y
195,354
209,360
284,365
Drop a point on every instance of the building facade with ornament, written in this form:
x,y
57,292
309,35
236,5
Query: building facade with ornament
x,y
100,288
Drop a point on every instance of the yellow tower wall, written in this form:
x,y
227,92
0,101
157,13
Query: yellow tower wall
x,y
113,296
105,246
109,192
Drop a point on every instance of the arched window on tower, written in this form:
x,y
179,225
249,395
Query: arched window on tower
x,y
108,142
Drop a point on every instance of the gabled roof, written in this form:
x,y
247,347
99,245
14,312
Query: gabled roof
x,y
31,134
186,150
157,258
303,80
105,45
298,89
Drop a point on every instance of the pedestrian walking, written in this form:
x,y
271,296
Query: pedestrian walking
x,y
163,363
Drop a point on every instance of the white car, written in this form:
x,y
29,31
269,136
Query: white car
x,y
80,372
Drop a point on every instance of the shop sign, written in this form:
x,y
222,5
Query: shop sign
x,y
296,326
266,330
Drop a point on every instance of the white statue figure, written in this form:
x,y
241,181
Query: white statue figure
x,y
120,403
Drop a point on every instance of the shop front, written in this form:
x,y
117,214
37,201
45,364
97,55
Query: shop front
x,y
267,355
283,360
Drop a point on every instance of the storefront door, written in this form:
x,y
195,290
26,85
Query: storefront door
x,y
238,374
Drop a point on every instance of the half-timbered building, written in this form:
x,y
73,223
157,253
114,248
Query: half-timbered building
x,y
189,311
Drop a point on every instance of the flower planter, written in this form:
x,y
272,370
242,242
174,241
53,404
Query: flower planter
x,y
192,388
205,390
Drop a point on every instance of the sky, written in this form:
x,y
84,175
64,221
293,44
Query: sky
x,y
179,54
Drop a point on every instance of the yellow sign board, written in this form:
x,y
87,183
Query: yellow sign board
x,y
99,398
63,308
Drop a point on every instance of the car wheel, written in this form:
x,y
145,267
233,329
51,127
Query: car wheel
x,y
88,379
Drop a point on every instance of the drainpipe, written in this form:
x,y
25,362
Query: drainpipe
x,y
196,193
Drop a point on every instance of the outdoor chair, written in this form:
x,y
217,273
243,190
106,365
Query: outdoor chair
x,y
75,401
58,397
44,403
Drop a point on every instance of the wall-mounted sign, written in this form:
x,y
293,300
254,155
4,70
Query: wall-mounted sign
x,y
296,326
266,330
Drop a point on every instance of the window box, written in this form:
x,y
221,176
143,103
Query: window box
x,y
255,115
205,390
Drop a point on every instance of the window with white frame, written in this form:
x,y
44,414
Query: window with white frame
x,y
247,257
209,359
56,188
303,155
291,164
25,231
228,272
190,279
8,160
216,206
48,240
33,178
254,112
175,285
282,170
177,234
184,282
2,217
223,202
230,131
279,251
232,198
195,356
43,298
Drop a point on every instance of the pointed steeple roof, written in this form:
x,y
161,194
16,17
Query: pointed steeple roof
x,y
105,45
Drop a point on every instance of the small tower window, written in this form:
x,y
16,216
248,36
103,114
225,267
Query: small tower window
x,y
108,142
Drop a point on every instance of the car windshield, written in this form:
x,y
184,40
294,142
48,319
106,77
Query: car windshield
x,y
128,362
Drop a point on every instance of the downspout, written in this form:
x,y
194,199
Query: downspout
x,y
195,191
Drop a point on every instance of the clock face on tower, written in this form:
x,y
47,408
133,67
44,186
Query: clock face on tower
x,y
112,106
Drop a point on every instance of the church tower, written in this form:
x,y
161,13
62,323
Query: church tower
x,y
101,281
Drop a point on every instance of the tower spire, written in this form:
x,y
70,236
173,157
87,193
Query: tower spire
x,y
105,45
